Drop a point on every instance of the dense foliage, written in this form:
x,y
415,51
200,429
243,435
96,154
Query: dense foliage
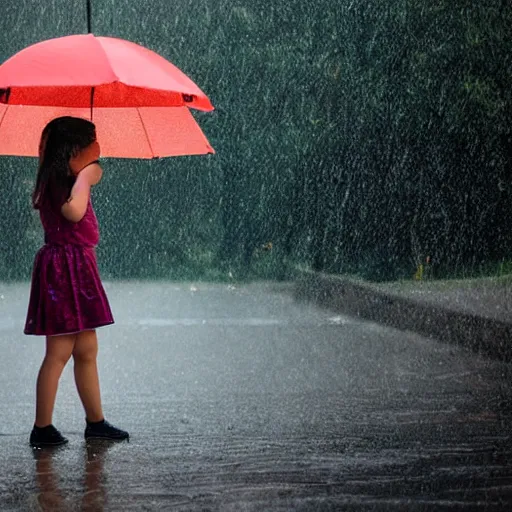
x,y
352,137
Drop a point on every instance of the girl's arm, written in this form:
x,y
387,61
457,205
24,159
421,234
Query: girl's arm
x,y
75,207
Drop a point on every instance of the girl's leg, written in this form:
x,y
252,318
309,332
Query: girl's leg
x,y
58,352
87,381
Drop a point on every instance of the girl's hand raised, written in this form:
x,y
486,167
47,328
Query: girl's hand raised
x,y
84,157
75,207
92,173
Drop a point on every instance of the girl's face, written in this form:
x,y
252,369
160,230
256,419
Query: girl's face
x,y
84,157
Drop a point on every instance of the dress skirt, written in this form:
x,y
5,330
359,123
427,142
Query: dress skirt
x,y
66,294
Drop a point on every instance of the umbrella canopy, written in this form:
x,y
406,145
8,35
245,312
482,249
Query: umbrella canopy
x,y
138,100
85,70
145,132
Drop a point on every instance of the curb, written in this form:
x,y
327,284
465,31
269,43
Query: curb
x,y
359,298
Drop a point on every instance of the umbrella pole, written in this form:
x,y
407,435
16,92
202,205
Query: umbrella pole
x,y
89,30
92,100
88,16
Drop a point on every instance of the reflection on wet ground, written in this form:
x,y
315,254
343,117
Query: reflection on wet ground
x,y
50,496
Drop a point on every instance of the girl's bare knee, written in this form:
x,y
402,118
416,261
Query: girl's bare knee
x,y
86,347
57,360
84,357
59,349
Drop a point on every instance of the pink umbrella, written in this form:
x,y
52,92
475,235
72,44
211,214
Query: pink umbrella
x,y
138,100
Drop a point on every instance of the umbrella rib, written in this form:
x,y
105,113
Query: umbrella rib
x,y
3,116
145,132
105,54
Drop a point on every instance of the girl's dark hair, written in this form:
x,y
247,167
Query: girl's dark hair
x,y
61,139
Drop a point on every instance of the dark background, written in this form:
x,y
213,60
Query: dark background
x,y
355,136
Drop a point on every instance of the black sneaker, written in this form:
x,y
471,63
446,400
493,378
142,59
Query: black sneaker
x,y
104,430
46,436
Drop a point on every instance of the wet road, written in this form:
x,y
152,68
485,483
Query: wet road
x,y
239,399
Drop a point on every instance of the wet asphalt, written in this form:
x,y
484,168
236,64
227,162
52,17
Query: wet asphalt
x,y
238,398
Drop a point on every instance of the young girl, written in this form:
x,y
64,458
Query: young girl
x,y
67,300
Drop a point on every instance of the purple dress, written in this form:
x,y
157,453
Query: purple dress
x,y
66,295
